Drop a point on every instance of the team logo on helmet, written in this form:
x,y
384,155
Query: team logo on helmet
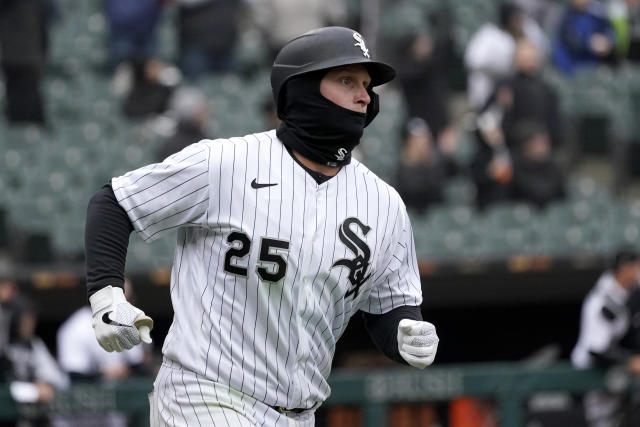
x,y
360,44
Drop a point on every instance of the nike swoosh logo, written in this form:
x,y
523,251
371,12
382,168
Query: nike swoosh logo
x,y
106,319
254,184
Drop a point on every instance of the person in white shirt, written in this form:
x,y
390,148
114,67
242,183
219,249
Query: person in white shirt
x,y
489,54
28,367
606,324
80,355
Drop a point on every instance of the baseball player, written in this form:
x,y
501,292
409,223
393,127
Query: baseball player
x,y
282,238
609,334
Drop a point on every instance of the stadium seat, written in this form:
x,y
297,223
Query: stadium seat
x,y
459,191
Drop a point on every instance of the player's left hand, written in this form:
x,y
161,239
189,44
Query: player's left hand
x,y
417,342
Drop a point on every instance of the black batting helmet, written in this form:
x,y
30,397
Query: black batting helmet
x,y
321,49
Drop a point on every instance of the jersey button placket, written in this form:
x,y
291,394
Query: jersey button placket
x,y
305,299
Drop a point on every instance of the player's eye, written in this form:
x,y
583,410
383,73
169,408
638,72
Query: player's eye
x,y
346,81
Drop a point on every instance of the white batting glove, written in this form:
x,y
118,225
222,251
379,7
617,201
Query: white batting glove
x,y
417,342
118,324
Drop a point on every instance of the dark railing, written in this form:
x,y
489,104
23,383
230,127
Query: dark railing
x,y
374,391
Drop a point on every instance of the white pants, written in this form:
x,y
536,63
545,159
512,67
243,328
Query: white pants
x,y
182,398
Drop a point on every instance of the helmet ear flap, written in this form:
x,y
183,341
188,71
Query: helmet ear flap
x,y
373,108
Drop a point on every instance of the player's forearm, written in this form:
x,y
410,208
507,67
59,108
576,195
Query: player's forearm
x,y
106,240
383,329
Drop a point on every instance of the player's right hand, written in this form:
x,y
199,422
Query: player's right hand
x,y
118,325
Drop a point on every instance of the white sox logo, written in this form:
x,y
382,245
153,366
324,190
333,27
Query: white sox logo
x,y
361,44
359,265
342,152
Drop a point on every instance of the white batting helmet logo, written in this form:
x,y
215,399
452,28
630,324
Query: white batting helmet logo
x,y
361,44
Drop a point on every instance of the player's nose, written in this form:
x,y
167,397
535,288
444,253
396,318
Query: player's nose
x,y
362,96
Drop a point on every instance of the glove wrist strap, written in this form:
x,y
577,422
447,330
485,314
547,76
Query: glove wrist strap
x,y
106,297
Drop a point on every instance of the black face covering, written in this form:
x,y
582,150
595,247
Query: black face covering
x,y
316,127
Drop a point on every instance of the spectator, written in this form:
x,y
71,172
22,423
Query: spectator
x,y
281,20
83,359
420,59
9,291
208,33
528,96
30,368
492,168
151,84
537,178
24,26
585,37
545,12
191,112
607,336
489,53
422,169
625,19
132,27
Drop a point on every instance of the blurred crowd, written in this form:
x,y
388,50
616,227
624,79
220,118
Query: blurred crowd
x,y
35,372
511,110
505,102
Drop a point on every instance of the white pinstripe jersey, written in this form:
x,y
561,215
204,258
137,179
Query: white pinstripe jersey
x,y
265,279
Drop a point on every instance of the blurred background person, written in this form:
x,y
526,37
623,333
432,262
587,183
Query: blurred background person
x,y
609,334
585,37
24,38
9,292
29,368
132,29
492,165
420,57
190,110
281,20
625,19
545,12
208,31
522,109
147,87
82,358
423,169
528,96
537,178
488,56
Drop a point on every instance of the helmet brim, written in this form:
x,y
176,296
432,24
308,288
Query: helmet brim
x,y
379,72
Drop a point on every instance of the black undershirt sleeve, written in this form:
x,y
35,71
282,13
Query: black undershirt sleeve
x,y
383,329
106,241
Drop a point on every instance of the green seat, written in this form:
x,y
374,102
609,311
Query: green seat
x,y
444,217
459,191
68,238
513,229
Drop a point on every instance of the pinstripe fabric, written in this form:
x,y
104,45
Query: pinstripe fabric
x,y
265,279
179,397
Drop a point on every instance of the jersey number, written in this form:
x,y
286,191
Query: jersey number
x,y
272,265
